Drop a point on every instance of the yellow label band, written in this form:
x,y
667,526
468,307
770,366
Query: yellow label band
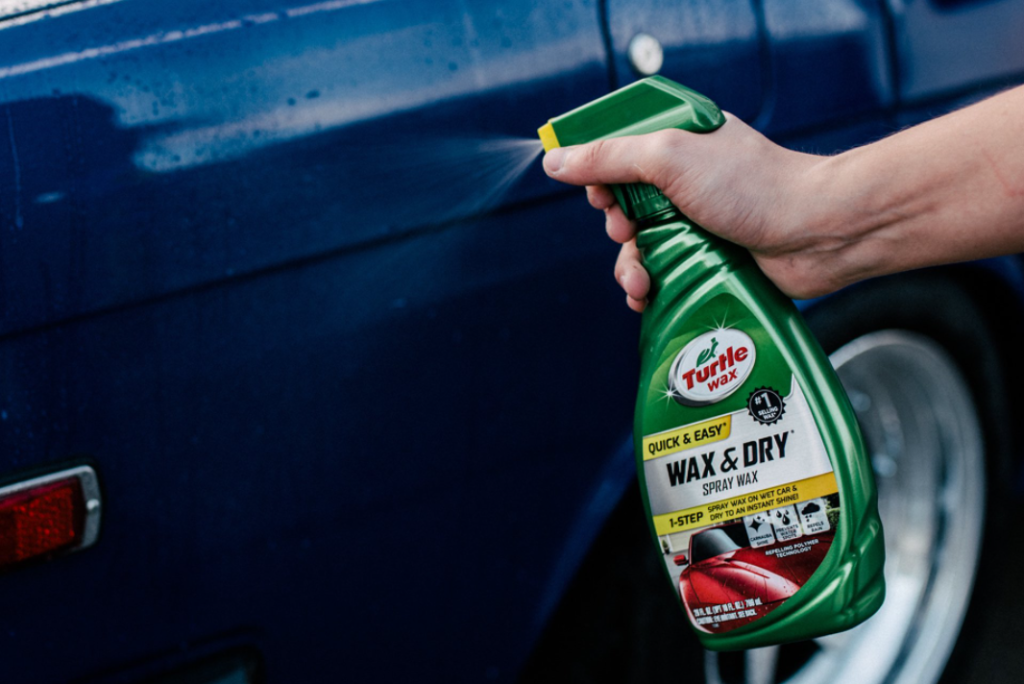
x,y
680,439
735,508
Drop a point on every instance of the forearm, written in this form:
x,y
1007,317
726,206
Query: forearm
x,y
949,190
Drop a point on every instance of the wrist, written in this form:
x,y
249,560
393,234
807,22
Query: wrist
x,y
847,213
813,243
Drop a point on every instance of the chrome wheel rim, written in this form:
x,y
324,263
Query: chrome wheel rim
x,y
922,431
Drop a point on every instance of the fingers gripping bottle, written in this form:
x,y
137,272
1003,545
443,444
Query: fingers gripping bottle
x,y
758,490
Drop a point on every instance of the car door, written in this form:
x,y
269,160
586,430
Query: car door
x,y
830,66
808,73
712,46
349,403
944,47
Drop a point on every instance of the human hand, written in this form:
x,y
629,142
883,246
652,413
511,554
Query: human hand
x,y
734,182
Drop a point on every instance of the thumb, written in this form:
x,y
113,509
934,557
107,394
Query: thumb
x,y
629,159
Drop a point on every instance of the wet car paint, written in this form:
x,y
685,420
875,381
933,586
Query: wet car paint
x,y
290,362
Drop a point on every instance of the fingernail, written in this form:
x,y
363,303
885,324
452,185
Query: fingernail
x,y
554,160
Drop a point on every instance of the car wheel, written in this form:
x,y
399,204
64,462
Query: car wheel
x,y
923,425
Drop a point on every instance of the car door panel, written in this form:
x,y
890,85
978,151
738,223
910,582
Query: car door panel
x,y
830,63
119,108
340,404
712,46
947,46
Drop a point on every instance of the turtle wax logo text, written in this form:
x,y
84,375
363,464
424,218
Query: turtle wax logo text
x,y
711,367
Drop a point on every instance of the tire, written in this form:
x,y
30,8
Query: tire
x,y
922,362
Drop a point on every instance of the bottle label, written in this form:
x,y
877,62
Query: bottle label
x,y
741,489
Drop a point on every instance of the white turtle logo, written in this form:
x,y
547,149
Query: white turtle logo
x,y
711,367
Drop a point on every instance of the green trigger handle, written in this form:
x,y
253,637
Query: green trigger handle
x,y
652,104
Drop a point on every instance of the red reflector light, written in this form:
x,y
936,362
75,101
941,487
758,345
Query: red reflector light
x,y
45,515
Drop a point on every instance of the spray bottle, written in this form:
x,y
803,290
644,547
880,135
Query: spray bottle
x,y
758,489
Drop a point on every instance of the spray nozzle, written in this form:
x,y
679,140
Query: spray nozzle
x,y
649,105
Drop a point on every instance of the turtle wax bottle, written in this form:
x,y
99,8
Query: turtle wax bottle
x,y
758,490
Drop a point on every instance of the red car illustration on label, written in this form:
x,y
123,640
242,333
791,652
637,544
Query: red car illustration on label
x,y
727,582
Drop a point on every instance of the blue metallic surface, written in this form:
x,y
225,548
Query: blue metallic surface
x,y
279,460
137,108
303,435
713,46
344,410
951,45
829,64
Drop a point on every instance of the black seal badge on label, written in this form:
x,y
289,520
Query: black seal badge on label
x,y
766,405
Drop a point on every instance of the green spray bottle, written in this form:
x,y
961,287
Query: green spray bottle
x,y
758,489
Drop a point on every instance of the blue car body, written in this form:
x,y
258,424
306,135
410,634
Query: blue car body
x,y
351,410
